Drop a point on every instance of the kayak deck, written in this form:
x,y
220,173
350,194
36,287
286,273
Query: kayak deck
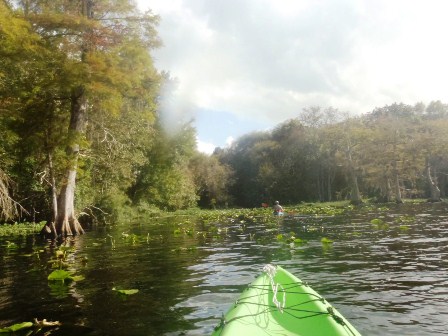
x,y
278,303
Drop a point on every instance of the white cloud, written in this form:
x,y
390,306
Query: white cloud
x,y
229,141
205,147
267,59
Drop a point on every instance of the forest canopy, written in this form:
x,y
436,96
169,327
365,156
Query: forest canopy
x,y
82,136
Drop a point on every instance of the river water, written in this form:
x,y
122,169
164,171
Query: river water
x,y
386,271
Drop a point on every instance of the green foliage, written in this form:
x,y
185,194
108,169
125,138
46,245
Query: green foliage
x,y
405,219
126,291
377,221
60,275
326,241
165,180
113,203
20,229
51,54
326,155
299,241
379,224
38,76
16,327
212,180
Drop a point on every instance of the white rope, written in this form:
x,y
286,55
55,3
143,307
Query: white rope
x,y
270,270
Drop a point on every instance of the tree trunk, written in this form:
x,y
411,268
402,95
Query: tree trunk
x,y
433,188
49,229
398,198
66,221
388,195
54,192
355,195
329,182
319,184
395,170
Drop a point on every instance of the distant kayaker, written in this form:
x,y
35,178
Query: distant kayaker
x,y
278,209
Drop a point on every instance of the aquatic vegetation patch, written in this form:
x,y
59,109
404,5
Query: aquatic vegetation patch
x,y
63,275
318,209
21,229
379,224
38,325
300,241
129,238
290,238
60,275
126,291
17,327
326,240
405,219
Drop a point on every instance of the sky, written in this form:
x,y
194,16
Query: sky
x,y
248,65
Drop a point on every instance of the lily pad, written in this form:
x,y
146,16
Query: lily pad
x,y
377,221
60,275
299,241
126,291
325,240
78,278
16,327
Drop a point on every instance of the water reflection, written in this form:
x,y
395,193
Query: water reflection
x,y
387,278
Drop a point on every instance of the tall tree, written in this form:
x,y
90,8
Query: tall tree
x,y
165,180
212,180
21,52
95,40
244,158
387,165
348,136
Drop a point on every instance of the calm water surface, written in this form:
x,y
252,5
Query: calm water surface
x,y
387,279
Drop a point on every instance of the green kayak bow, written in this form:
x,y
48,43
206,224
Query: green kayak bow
x,y
278,303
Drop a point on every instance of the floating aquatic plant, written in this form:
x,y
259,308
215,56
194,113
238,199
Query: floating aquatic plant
x,y
126,291
27,325
60,275
325,240
379,224
17,327
405,219
299,241
377,221
20,229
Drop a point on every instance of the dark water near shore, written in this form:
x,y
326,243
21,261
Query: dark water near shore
x,y
387,278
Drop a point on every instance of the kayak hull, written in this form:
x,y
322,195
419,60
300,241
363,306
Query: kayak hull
x,y
281,304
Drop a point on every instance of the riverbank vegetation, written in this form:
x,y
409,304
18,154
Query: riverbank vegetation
x,y
83,137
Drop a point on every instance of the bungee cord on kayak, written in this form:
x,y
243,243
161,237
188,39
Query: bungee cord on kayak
x,y
260,311
270,271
